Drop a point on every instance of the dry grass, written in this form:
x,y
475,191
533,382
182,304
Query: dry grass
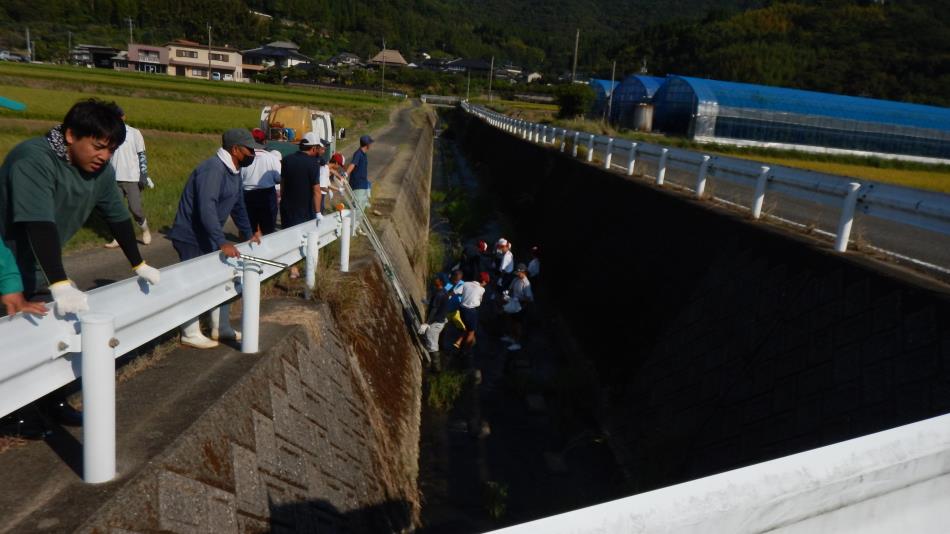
x,y
10,442
146,361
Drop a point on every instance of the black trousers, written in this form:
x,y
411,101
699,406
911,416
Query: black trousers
x,y
262,209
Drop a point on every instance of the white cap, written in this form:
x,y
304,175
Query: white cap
x,y
502,242
310,139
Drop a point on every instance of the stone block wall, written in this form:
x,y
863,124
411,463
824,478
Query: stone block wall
x,y
719,342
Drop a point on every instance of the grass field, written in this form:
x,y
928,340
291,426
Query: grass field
x,y
181,120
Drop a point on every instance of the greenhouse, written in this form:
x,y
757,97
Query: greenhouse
x,y
602,90
740,113
636,90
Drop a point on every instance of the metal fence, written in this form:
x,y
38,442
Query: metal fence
x,y
42,354
907,224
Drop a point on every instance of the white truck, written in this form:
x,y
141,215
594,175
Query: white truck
x,y
284,126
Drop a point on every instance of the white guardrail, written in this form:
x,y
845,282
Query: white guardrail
x,y
906,206
892,481
42,354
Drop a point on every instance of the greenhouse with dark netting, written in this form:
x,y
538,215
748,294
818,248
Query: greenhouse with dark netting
x,y
632,103
758,115
602,90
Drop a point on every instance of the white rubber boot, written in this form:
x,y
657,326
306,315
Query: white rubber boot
x,y
146,235
221,324
191,336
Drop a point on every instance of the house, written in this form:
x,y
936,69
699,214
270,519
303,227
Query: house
x,y
532,77
146,58
282,54
388,57
436,64
193,60
88,55
344,59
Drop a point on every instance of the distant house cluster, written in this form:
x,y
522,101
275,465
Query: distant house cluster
x,y
195,60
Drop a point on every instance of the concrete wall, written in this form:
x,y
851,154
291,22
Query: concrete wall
x,y
719,342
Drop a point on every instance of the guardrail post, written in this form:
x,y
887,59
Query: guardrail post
x,y
524,129
610,153
759,198
701,178
661,167
313,255
576,138
847,217
251,317
544,134
345,243
631,159
98,396
537,133
563,139
590,149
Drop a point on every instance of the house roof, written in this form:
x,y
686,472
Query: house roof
x,y
469,64
284,44
182,43
390,57
275,52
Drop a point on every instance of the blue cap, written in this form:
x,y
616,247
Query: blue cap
x,y
366,140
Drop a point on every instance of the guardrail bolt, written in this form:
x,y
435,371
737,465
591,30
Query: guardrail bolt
x,y
113,343
62,345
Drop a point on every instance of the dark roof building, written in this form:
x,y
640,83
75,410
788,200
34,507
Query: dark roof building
x,y
759,115
281,54
92,55
633,90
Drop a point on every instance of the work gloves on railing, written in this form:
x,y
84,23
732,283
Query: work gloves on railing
x,y
148,273
69,299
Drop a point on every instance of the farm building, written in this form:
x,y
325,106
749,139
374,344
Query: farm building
x,y
746,114
634,92
602,90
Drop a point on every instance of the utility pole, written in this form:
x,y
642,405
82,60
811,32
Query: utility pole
x,y
577,40
209,51
130,30
468,84
69,48
382,79
610,99
491,73
29,45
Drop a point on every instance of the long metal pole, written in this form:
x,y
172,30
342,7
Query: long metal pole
x,y
577,40
491,73
130,30
382,79
98,397
209,51
29,45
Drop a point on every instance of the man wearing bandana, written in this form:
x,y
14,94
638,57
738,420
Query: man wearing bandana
x,y
213,192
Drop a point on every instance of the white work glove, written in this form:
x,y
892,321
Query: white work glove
x,y
68,298
423,328
149,183
319,217
148,273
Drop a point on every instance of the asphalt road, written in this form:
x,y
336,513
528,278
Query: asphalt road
x,y
99,266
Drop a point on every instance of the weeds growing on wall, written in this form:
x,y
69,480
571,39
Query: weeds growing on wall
x,y
496,499
445,389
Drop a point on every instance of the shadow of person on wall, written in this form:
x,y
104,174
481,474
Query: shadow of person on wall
x,y
322,516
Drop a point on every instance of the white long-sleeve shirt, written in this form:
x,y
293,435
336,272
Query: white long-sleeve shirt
x,y
264,173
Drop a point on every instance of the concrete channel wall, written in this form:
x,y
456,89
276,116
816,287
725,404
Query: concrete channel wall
x,y
718,343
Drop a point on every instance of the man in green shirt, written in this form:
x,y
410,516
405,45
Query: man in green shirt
x,y
48,188
11,287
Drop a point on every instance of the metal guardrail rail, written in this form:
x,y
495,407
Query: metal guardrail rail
x,y
42,354
903,206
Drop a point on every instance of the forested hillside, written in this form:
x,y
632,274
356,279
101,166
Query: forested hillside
x,y
898,50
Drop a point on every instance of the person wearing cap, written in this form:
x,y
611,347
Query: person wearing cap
x,y
49,186
337,175
505,263
300,193
437,315
472,293
358,172
518,297
260,181
214,192
131,175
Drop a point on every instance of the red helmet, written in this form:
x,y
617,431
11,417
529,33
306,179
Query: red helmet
x,y
482,246
258,135
337,158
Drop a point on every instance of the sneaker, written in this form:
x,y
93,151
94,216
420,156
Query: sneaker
x,y
507,339
112,244
514,347
146,237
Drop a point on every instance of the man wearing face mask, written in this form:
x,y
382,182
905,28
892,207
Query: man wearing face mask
x,y
213,192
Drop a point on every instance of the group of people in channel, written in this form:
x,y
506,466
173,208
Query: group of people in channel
x,y
50,185
455,301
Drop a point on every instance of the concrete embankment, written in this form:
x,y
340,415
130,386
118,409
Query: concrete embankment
x,y
320,430
718,342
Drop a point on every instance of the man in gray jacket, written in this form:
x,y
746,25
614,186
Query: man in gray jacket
x,y
213,192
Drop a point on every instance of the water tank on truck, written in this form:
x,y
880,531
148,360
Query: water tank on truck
x,y
284,126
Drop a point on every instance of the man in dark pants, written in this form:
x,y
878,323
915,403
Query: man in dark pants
x,y
212,193
300,183
48,188
260,186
